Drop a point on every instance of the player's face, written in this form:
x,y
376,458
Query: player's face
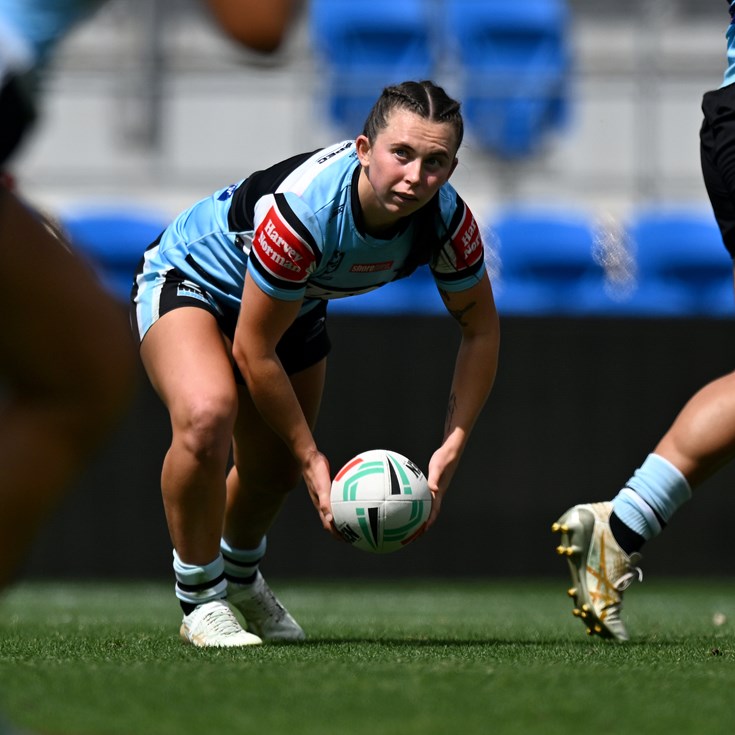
x,y
409,161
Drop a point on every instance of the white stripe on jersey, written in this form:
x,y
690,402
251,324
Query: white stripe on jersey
x,y
298,180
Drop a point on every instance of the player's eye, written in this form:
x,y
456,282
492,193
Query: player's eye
x,y
434,164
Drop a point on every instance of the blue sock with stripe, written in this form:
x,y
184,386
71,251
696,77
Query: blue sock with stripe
x,y
241,565
196,584
648,501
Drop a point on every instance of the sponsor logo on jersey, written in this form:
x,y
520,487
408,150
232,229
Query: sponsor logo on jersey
x,y
335,152
467,241
227,193
371,267
190,290
280,250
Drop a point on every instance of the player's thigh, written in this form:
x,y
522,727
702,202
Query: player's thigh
x,y
57,324
189,365
259,452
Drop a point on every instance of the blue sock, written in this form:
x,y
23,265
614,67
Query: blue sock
x,y
197,584
651,497
241,565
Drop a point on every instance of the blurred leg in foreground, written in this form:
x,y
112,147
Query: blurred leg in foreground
x,y
66,372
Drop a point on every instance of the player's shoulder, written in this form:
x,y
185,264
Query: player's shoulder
x,y
450,204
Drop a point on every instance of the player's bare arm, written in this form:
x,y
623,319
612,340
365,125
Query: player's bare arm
x,y
263,321
474,375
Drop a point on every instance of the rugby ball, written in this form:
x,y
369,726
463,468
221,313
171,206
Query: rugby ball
x,y
380,501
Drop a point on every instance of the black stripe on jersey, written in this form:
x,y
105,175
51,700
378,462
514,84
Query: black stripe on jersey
x,y
459,214
464,273
139,268
284,209
242,208
456,222
276,282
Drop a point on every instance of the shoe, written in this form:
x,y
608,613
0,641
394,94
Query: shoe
x,y
264,614
213,624
601,571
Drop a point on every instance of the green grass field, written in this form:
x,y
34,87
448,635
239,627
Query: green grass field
x,y
422,657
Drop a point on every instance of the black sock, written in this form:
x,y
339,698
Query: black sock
x,y
187,607
628,540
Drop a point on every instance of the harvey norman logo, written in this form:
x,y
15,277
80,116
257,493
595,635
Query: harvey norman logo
x,y
275,248
468,238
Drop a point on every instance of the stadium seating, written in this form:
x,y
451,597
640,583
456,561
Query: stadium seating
x,y
113,237
546,262
683,267
514,62
365,46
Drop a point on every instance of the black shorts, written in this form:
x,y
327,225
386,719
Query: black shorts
x,y
717,150
17,114
304,343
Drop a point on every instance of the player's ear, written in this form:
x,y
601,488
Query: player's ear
x,y
362,147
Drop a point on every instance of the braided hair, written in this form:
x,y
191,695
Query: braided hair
x,y
425,99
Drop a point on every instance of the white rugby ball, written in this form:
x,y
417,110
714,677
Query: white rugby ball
x,y
380,501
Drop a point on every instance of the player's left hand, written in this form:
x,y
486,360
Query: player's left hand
x,y
442,466
318,481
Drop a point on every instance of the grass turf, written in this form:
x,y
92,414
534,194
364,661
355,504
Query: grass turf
x,y
501,657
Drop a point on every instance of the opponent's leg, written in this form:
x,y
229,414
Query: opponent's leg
x,y
602,541
67,364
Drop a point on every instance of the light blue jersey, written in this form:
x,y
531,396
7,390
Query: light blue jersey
x,y
730,36
296,229
29,32
41,24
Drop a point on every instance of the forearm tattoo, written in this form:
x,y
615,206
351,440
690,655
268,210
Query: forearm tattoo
x,y
452,405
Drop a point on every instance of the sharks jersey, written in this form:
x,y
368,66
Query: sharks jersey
x,y
40,25
730,36
296,229
29,30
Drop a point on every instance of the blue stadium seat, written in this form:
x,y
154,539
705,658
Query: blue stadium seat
x,y
366,45
547,263
113,238
681,261
514,61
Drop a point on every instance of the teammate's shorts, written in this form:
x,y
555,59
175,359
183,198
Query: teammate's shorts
x,y
304,343
17,113
717,149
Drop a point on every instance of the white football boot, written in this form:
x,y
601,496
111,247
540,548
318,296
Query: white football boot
x,y
213,624
601,571
264,614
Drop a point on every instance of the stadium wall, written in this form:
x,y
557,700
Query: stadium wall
x,y
576,406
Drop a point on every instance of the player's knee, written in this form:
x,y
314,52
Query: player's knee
x,y
205,432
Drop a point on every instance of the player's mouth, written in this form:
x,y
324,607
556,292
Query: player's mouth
x,y
405,198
